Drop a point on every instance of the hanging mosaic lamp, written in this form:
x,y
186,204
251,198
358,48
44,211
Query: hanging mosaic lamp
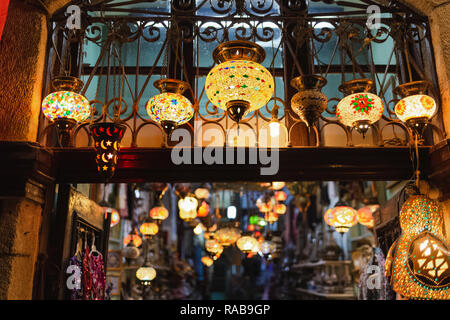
x,y
149,229
170,108
188,208
365,215
342,218
267,247
213,246
227,236
418,263
203,210
115,216
65,106
207,261
416,108
360,108
159,213
280,209
146,274
280,196
239,83
271,217
133,237
107,137
201,193
278,185
247,244
309,102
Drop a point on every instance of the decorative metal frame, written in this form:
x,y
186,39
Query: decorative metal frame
x,y
304,36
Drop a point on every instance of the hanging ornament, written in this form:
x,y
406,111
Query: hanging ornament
x,y
309,103
188,208
207,261
133,237
279,209
239,83
271,217
342,218
227,236
146,274
66,107
248,244
170,108
149,229
418,263
280,196
107,138
360,108
416,108
159,213
365,215
203,210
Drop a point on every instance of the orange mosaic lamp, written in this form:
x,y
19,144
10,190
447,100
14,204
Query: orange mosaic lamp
x,y
417,265
132,238
342,218
280,196
203,210
207,261
227,236
149,229
159,213
271,217
248,244
280,209
365,215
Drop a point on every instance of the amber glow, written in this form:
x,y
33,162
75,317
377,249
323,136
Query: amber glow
x,y
136,240
248,244
342,218
149,229
280,208
203,210
159,213
207,261
227,236
280,196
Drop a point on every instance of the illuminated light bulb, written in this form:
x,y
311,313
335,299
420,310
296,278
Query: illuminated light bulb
x,y
188,208
231,212
274,129
239,83
203,210
213,246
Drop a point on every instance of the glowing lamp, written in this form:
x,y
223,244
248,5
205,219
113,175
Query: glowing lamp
x,y
227,236
146,274
280,196
280,209
213,246
359,109
188,208
207,261
342,218
149,229
418,263
365,215
253,220
170,108
115,216
416,108
203,210
202,193
134,238
66,103
199,228
239,83
231,212
267,247
309,103
247,244
278,185
271,217
159,213
266,207
107,137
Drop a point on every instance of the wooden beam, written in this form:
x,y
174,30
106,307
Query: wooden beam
x,y
295,164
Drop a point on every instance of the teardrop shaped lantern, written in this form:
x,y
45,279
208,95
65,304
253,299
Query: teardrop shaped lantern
x,y
418,264
360,108
65,106
309,102
239,83
107,137
170,108
416,108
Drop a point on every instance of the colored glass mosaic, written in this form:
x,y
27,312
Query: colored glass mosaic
x,y
239,80
418,263
359,107
417,106
342,218
66,104
365,215
169,106
227,236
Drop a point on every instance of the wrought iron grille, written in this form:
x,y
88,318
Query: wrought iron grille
x,y
122,47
